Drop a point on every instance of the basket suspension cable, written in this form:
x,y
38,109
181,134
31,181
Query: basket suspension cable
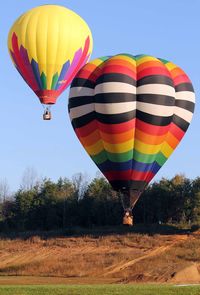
x,y
128,199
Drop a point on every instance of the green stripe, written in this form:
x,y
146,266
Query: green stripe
x,y
44,81
149,158
124,157
104,58
163,60
54,81
161,159
114,157
143,158
138,57
100,158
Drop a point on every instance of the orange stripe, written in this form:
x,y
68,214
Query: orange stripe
x,y
176,72
172,140
109,138
118,138
126,136
149,139
90,139
90,67
149,64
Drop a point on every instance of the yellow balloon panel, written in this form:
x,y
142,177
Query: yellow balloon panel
x,y
52,36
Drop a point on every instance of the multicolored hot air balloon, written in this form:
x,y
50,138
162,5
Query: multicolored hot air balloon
x,y
130,113
48,45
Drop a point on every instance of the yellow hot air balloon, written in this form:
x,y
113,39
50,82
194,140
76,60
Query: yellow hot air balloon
x,y
48,45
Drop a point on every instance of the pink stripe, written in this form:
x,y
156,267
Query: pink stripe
x,y
78,65
74,63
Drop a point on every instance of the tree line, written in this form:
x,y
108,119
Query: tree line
x,y
49,205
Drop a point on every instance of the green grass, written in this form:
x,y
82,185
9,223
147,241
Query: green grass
x,y
99,290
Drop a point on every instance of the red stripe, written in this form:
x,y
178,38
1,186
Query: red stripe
x,y
87,129
129,175
117,128
181,79
85,74
153,71
151,129
118,69
126,126
47,96
176,131
20,64
117,175
107,128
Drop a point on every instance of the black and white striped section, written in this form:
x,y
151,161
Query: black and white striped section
x,y
184,105
112,101
161,91
115,102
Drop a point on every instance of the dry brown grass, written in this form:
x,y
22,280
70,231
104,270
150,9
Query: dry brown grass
x,y
128,257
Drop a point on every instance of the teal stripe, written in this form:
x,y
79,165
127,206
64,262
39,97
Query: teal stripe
x,y
164,61
104,58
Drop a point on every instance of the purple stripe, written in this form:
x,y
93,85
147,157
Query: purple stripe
x,y
36,73
74,63
62,74
82,64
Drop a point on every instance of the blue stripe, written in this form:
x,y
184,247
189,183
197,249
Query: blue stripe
x,y
132,164
119,166
36,72
62,74
143,167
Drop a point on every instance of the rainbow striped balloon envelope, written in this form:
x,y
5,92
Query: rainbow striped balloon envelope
x,y
130,113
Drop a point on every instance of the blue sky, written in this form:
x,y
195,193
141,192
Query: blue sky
x,y
168,29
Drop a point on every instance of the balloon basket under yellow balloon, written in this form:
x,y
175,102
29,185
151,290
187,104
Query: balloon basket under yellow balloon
x,y
47,115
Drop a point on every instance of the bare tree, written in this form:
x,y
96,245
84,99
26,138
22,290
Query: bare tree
x,y
4,190
80,183
29,179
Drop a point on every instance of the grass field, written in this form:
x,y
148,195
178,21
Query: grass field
x,y
100,290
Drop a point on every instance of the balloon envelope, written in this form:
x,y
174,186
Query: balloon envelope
x,y
130,113
48,45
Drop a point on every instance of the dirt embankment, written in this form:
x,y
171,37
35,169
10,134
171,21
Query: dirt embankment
x,y
125,258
